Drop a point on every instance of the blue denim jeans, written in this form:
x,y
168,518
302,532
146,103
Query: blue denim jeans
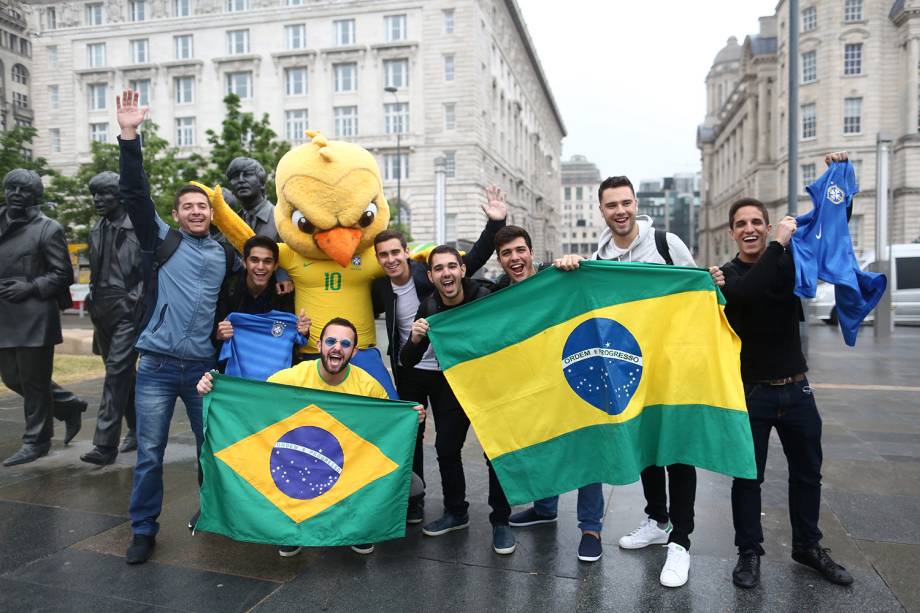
x,y
160,380
590,507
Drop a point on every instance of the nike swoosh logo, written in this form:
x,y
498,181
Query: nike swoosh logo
x,y
818,235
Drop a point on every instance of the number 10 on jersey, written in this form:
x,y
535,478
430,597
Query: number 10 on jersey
x,y
333,281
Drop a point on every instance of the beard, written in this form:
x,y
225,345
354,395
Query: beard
x,y
334,369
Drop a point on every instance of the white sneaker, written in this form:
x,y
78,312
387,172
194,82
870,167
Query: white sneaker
x,y
676,568
648,533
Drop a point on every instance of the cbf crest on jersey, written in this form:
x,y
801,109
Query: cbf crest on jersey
x,y
277,328
835,194
284,464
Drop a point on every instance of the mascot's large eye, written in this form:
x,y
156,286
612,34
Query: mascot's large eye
x,y
301,222
367,217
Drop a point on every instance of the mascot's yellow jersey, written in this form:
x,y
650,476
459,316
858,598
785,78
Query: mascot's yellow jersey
x,y
326,290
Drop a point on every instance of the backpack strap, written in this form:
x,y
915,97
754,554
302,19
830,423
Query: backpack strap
x,y
661,243
229,260
167,248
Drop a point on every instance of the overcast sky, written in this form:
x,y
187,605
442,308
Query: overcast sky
x,y
629,76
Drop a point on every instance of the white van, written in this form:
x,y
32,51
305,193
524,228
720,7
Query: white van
x,y
903,282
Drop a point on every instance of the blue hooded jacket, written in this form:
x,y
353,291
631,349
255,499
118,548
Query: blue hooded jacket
x,y
822,249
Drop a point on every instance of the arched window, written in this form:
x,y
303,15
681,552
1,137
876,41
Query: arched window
x,y
20,74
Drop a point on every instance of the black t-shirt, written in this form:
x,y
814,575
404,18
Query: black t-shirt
x,y
765,313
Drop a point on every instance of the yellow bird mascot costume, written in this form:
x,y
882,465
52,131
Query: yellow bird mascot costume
x,y
330,208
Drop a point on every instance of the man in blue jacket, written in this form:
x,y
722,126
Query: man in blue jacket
x,y
175,341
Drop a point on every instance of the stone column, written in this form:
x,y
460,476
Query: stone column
x,y
913,88
763,133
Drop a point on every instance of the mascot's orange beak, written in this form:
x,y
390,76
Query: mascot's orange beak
x,y
339,243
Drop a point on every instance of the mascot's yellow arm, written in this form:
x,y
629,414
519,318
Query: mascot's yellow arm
x,y
227,221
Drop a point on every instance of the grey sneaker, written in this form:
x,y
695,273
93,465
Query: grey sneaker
x,y
446,523
503,540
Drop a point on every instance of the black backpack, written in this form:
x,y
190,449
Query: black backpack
x,y
661,243
151,261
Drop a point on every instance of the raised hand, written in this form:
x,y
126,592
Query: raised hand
x,y
495,207
785,229
303,324
129,115
836,156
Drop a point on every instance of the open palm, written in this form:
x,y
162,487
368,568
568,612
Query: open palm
x,y
495,207
128,113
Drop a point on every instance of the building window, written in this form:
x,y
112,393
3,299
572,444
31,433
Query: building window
x,y
295,81
139,50
20,100
182,8
20,74
808,174
448,21
450,228
240,83
295,36
852,59
52,52
395,166
568,195
54,97
396,117
810,19
50,18
852,11
54,135
234,6
94,14
449,67
95,55
579,193
99,132
185,131
237,42
184,47
295,2
98,94
185,90
344,31
396,73
809,66
852,115
450,116
346,77
346,121
450,158
295,124
809,121
138,10
394,27
142,87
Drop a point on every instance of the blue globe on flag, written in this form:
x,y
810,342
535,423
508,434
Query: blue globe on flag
x,y
602,362
306,462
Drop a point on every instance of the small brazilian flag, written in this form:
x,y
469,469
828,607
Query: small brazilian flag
x,y
572,378
294,466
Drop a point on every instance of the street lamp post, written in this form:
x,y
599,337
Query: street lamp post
x,y
392,90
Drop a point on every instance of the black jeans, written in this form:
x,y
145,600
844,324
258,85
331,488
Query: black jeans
x,y
416,385
114,339
791,409
681,488
452,424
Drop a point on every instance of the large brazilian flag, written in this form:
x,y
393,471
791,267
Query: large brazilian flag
x,y
571,378
294,466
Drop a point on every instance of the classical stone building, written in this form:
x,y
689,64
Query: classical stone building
x,y
15,67
859,63
582,223
468,87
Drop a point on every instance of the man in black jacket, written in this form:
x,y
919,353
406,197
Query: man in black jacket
x,y
35,274
116,288
447,273
762,308
398,296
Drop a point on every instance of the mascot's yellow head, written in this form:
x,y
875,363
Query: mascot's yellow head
x,y
330,199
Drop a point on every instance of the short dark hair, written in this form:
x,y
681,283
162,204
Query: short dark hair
x,y
611,182
509,233
387,235
189,189
743,202
104,181
28,177
339,321
444,249
238,165
260,241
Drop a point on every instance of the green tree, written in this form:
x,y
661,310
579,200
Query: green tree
x,y
16,152
242,135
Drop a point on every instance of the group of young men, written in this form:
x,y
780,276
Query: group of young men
x,y
195,283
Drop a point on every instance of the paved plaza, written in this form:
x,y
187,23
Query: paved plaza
x,y
64,527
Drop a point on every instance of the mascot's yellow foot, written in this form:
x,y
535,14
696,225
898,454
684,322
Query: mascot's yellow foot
x,y
339,243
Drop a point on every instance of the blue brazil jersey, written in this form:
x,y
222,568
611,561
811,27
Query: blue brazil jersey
x,y
261,345
822,249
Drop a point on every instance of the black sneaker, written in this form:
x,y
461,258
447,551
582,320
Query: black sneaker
x,y
289,551
747,570
818,559
446,523
590,549
529,517
141,549
363,549
416,512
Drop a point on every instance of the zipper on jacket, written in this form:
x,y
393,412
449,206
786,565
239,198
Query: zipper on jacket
x,y
161,318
